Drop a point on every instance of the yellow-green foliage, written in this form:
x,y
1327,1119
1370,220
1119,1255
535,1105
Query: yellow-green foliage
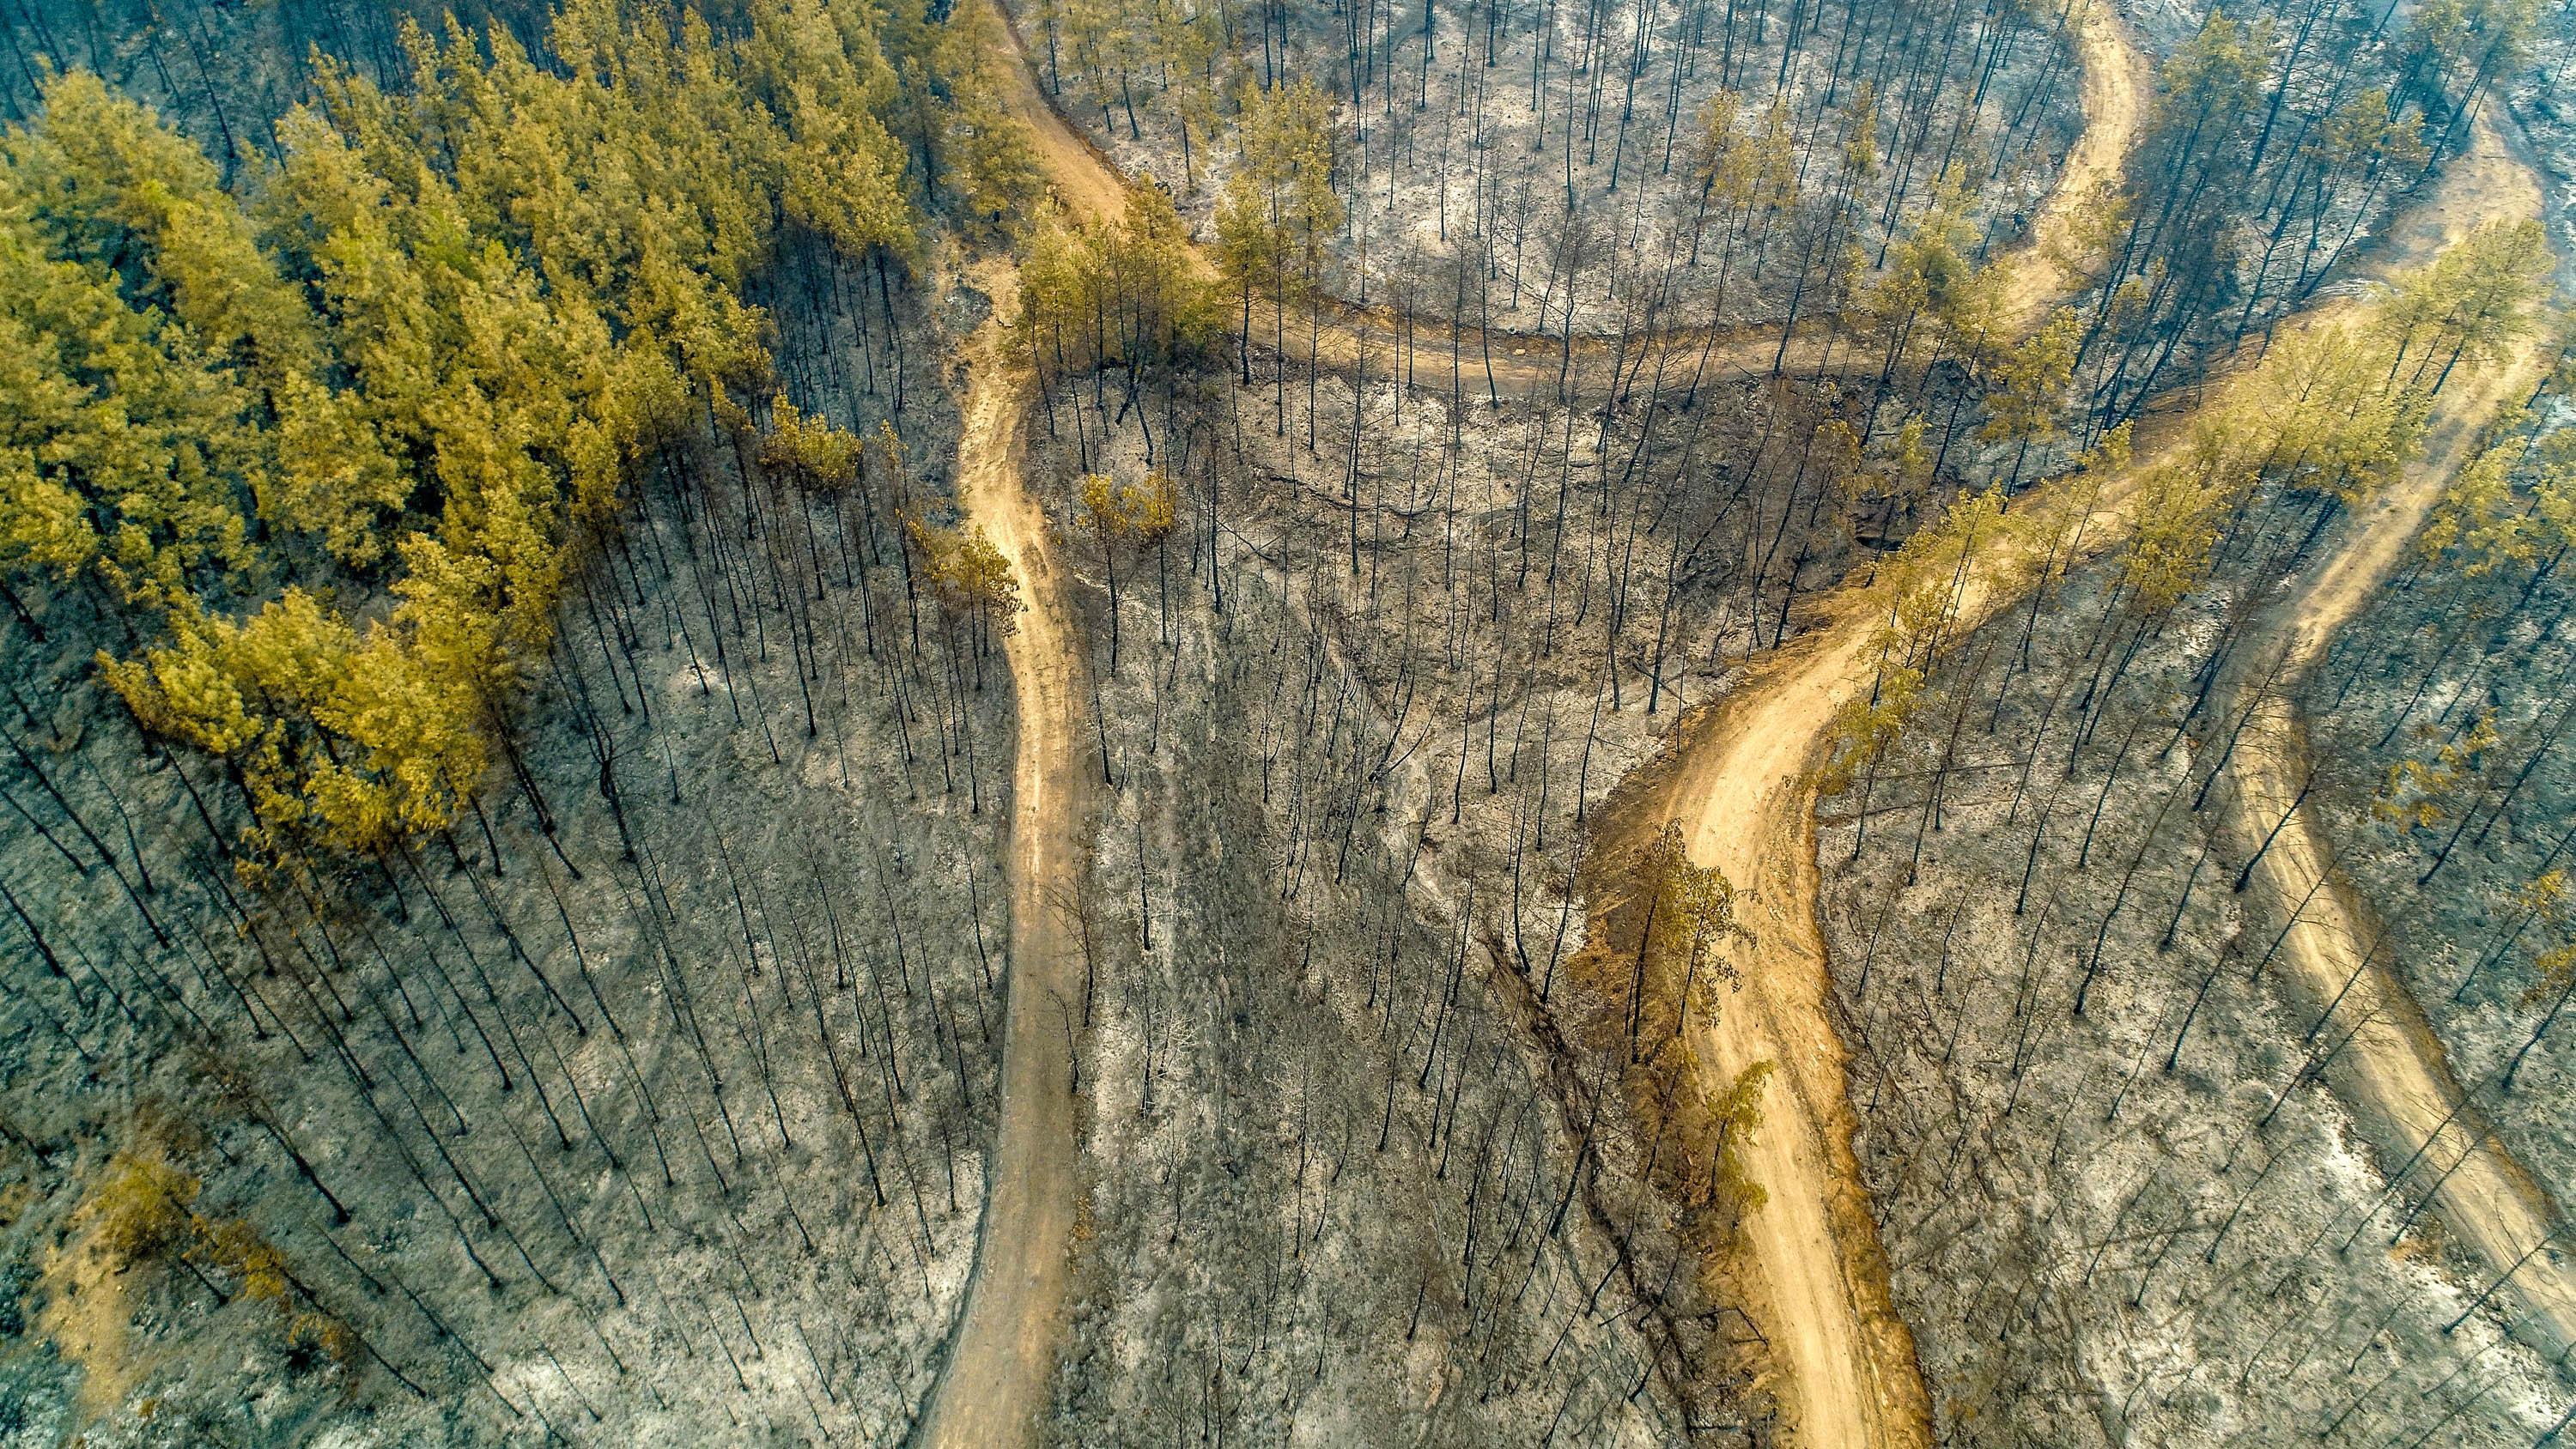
x,y
1930,272
2475,298
1122,294
1732,1118
2329,419
1929,578
811,450
1739,167
2423,793
2550,902
983,157
2470,41
1693,913
405,378
1280,205
1866,728
2030,381
966,574
2514,504
142,1211
1142,510
2324,412
1697,1123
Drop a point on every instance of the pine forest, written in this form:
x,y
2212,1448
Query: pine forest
x,y
1824,724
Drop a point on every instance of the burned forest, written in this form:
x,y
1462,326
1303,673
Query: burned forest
x,y
1788,724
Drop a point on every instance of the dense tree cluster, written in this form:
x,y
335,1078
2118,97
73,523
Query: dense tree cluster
x,y
1125,295
325,441
324,453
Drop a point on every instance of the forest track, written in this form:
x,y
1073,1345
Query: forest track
x,y
1350,339
1742,785
1000,1369
1848,1357
2116,85
1740,781
1836,1325
2394,1069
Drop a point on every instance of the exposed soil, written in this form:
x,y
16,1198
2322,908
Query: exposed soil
x,y
2117,82
87,1311
1342,337
2395,1068
1816,1264
1743,787
995,1381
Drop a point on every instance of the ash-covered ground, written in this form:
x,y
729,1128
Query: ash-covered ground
x,y
649,1103
2153,1216
1557,144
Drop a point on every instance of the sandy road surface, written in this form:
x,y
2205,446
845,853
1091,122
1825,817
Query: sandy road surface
x,y
996,1381
1743,789
2117,84
1813,1248
1850,1357
1493,363
2394,1070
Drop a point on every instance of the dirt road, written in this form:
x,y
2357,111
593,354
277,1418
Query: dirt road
x,y
1813,1249
996,1381
1849,1356
1496,364
2394,1070
1744,791
2117,83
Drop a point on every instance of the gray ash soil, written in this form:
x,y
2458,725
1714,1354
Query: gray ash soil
x,y
1357,831
2154,1217
1472,144
2425,665
702,1076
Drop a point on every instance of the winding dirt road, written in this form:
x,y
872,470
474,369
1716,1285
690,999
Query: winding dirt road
x,y
1848,1356
1000,1365
1814,1260
2046,267
2394,1070
1744,790
2117,82
1745,795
